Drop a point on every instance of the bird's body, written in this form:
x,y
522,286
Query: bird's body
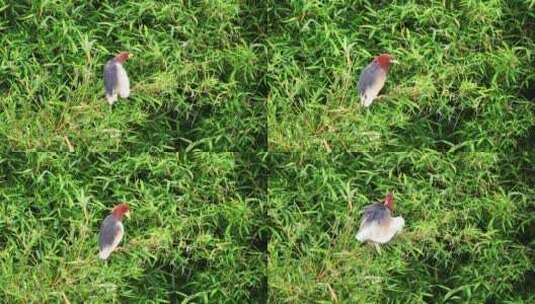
x,y
372,79
377,224
116,80
111,231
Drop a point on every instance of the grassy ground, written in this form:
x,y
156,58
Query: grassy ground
x,y
469,234
252,95
462,83
195,234
193,75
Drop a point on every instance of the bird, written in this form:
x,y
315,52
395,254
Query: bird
x,y
115,78
377,224
372,78
111,230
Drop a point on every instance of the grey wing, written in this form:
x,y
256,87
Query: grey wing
x,y
110,77
367,77
375,212
108,231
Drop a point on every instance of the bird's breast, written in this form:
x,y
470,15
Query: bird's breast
x,y
377,84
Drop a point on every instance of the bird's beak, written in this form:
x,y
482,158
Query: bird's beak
x,y
394,61
127,214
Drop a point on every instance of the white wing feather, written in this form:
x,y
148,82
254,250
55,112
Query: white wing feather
x,y
380,233
123,84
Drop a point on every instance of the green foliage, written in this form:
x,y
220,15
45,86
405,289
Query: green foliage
x,y
468,235
463,68
193,235
193,76
225,221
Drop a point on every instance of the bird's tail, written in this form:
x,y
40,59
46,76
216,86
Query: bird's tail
x,y
104,253
365,100
397,223
111,98
361,236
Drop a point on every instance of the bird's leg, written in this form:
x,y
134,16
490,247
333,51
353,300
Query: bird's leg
x,y
377,248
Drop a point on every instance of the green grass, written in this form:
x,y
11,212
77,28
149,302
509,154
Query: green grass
x,y
465,86
238,151
465,66
469,235
193,76
194,236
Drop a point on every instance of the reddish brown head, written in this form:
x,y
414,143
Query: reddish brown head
x,y
384,61
122,57
389,201
120,210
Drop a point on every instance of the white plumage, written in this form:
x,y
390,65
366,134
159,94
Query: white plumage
x,y
123,84
380,233
120,82
116,82
377,224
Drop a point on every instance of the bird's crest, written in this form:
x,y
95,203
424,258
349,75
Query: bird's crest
x,y
384,61
122,57
389,201
120,210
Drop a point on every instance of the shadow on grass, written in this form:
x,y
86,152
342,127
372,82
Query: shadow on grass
x,y
526,143
168,128
435,131
175,276
162,274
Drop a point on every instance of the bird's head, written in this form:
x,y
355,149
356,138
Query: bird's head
x,y
122,56
120,210
389,201
384,61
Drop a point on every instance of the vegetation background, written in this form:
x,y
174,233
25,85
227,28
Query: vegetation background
x,y
453,137
465,81
194,75
461,104
469,234
195,234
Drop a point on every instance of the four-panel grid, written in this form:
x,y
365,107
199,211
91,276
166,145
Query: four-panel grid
x,y
267,151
